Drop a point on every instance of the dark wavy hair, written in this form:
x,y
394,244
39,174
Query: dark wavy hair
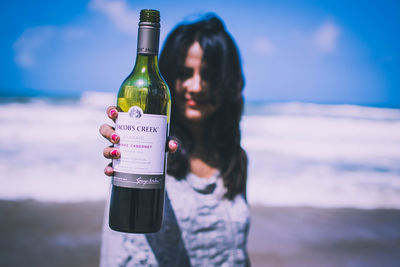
x,y
221,68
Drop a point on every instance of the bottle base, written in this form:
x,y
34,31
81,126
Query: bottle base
x,y
136,210
134,231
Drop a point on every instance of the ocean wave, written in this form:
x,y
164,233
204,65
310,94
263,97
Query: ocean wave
x,y
318,110
98,99
53,152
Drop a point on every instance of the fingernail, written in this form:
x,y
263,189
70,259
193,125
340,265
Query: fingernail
x,y
109,169
112,112
114,153
114,137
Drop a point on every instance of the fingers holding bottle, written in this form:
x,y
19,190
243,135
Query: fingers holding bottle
x,y
112,113
172,144
111,153
108,132
108,170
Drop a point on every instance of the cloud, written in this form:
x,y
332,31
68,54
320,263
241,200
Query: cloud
x,y
123,18
73,33
31,40
35,39
263,46
326,36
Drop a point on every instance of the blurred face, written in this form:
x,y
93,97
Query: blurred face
x,y
192,92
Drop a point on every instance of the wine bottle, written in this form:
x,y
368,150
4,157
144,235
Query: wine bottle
x,y
144,104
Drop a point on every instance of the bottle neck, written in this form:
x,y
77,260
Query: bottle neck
x,y
148,38
146,63
147,48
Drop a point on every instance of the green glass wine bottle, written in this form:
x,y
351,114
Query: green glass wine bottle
x,y
144,104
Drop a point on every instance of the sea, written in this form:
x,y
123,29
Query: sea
x,y
300,154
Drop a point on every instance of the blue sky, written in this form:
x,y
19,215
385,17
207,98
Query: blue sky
x,y
315,51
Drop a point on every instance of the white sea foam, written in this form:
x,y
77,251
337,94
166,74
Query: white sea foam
x,y
299,154
311,109
323,161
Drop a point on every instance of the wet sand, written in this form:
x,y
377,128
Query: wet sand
x,y
308,237
69,234
50,234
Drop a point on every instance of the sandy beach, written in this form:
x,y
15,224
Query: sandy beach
x,y
69,234
50,234
317,237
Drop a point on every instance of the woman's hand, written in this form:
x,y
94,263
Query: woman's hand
x,y
108,132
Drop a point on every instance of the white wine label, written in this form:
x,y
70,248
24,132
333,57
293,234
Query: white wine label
x,y
142,146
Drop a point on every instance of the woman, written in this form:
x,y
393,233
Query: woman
x,y
206,215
